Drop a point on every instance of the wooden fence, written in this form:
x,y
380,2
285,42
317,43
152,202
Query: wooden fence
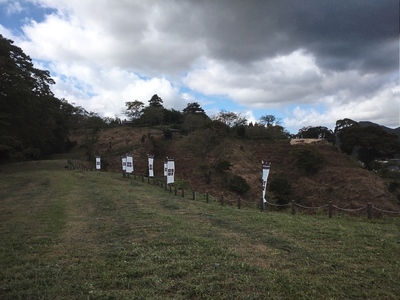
x,y
329,208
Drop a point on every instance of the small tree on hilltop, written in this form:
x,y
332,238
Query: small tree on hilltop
x,y
134,109
156,101
194,108
268,120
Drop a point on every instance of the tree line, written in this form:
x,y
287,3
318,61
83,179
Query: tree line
x,y
193,117
35,123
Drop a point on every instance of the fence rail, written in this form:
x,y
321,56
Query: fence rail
x,y
239,202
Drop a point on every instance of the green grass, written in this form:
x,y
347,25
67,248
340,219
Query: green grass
x,y
94,235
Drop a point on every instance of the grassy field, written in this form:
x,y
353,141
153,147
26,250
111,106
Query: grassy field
x,y
95,235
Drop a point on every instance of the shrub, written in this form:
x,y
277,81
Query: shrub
x,y
238,184
393,186
168,134
222,165
281,188
308,160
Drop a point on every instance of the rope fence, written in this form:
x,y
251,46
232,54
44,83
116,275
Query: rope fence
x,y
239,202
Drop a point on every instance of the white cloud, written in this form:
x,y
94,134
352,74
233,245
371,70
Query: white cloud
x,y
104,53
6,33
107,90
382,107
11,7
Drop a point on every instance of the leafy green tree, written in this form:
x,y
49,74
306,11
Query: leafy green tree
x,y
172,116
268,120
152,116
311,132
240,131
260,132
230,118
156,101
193,122
134,109
370,142
33,122
194,108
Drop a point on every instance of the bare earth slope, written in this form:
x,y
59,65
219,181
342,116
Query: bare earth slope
x,y
341,180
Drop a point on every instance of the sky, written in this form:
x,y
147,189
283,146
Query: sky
x,y
307,62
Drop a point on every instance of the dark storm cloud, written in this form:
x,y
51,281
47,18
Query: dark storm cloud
x,y
340,34
315,61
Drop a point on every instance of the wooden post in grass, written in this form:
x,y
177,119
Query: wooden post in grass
x,y
293,208
194,195
369,210
330,209
239,202
207,197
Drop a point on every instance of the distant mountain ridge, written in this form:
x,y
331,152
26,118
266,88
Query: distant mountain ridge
x,y
387,129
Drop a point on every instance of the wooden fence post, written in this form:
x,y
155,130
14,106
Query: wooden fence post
x,y
293,208
194,195
239,202
207,197
369,210
330,212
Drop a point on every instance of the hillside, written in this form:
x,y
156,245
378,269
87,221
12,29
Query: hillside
x,y
340,180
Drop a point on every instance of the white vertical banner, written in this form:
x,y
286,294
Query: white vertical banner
x,y
98,162
150,158
129,163
124,163
170,170
165,169
265,172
